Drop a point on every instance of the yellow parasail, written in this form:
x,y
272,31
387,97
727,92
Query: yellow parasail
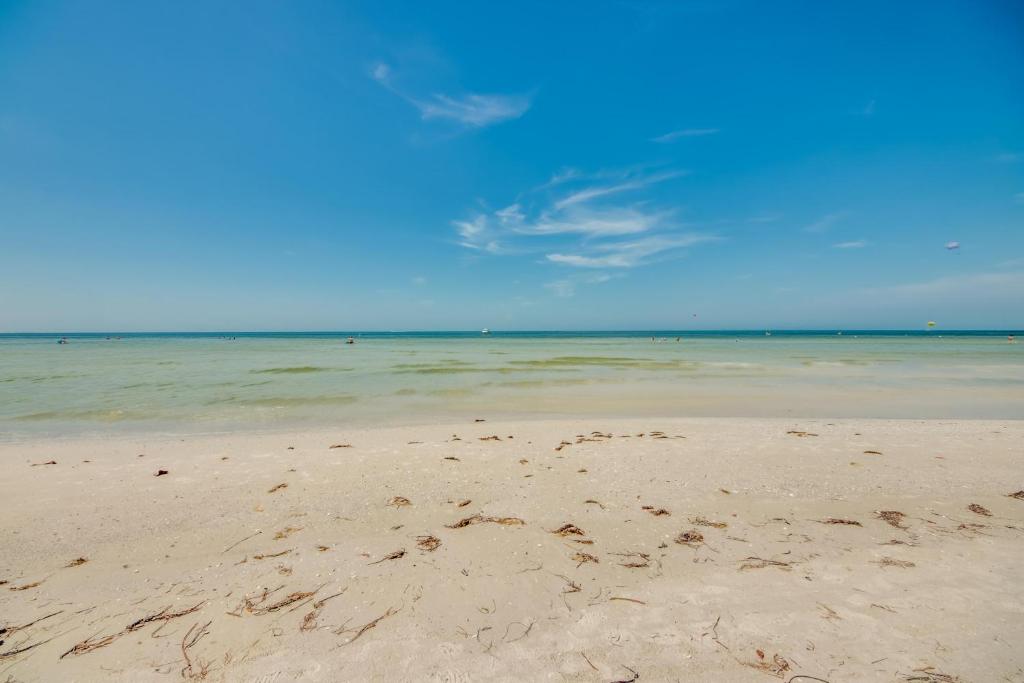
x,y
931,323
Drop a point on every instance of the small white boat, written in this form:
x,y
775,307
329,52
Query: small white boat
x,y
485,331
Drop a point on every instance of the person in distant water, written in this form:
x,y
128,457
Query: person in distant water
x,y
350,340
677,338
1011,339
62,340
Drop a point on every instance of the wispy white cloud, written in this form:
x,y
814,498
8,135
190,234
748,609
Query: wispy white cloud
x,y
825,222
685,133
471,109
856,244
474,110
590,193
606,222
629,254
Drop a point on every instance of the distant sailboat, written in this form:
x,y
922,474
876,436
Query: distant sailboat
x,y
485,331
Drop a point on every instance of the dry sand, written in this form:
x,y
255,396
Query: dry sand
x,y
699,552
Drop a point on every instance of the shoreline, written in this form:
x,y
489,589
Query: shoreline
x,y
699,544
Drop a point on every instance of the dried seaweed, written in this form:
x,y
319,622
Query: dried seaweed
x,y
27,586
872,453
890,562
569,530
979,510
795,432
691,538
160,473
659,512
594,502
77,562
761,563
397,555
270,555
341,445
891,517
93,643
493,437
286,532
480,519
366,627
1019,495
701,521
428,543
583,558
399,501
278,488
836,520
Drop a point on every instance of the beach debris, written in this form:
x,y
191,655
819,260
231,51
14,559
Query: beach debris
x,y
428,543
480,519
340,445
309,622
523,461
796,432
160,473
761,563
493,437
479,419
237,543
569,530
399,501
563,445
26,586
928,674
77,562
193,636
725,491
978,510
366,627
836,520
777,665
701,521
286,532
872,453
891,517
464,503
48,462
278,488
397,555
692,538
582,470
594,502
451,457
165,615
1019,495
891,562
659,512
267,556
583,558
635,560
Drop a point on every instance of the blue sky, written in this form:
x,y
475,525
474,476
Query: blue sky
x,y
449,165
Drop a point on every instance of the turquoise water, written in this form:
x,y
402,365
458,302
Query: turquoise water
x,y
206,382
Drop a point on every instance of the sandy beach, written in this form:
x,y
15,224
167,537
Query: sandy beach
x,y
582,550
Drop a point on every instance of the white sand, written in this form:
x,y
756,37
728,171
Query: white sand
x,y
941,597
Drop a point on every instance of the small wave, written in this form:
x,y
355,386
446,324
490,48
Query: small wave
x,y
285,401
95,415
298,370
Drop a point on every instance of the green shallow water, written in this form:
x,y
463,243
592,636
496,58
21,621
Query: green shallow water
x,y
206,383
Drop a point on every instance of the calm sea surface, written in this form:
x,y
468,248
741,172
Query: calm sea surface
x,y
216,382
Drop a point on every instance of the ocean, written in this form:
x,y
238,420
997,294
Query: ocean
x,y
210,382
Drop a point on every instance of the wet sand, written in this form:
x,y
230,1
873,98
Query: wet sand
x,y
583,550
